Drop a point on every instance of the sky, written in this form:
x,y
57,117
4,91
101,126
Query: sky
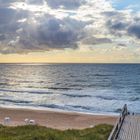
x,y
70,31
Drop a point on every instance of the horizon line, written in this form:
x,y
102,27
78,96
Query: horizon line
x,y
68,63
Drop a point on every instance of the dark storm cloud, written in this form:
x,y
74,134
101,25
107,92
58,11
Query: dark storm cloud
x,y
68,4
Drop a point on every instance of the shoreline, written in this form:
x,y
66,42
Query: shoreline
x,y
59,110
55,119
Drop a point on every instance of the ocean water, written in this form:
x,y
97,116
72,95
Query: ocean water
x,y
90,88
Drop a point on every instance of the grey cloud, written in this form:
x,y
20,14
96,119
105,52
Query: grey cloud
x,y
137,19
6,15
9,21
41,31
48,32
10,1
95,41
68,4
110,13
134,30
4,3
116,25
53,33
2,37
122,45
35,2
117,28
120,25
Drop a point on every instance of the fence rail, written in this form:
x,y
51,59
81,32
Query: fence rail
x,y
115,132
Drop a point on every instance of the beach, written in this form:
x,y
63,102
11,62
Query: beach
x,y
55,119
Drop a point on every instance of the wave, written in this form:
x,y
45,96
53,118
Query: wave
x,y
15,101
80,81
2,84
66,107
76,85
100,75
66,88
27,81
107,98
53,106
116,98
118,110
75,95
134,99
81,107
26,91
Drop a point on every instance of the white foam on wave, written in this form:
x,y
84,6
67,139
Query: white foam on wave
x,y
99,101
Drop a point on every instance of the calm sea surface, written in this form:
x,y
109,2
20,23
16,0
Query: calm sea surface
x,y
91,88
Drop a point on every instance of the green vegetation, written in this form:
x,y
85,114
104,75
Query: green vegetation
x,y
100,132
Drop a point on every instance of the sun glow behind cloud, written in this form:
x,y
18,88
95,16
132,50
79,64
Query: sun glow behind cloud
x,y
69,31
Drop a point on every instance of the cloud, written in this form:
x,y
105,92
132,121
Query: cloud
x,y
43,25
67,4
56,33
7,1
124,24
2,37
49,33
134,30
117,25
35,2
6,15
96,41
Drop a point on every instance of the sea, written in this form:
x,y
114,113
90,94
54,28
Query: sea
x,y
86,88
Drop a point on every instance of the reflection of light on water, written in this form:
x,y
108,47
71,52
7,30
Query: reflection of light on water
x,y
87,88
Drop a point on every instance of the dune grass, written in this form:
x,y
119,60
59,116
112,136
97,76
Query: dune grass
x,y
100,132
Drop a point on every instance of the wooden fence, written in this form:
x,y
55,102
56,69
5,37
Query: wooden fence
x,y
115,132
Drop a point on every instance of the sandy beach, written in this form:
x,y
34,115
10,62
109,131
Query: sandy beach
x,y
55,119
